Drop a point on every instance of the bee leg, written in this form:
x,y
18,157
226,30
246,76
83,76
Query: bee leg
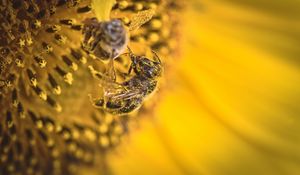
x,y
130,69
95,73
97,103
131,55
101,76
87,36
130,51
105,93
133,61
121,74
111,74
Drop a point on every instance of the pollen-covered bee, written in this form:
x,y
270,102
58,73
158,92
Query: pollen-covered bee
x,y
125,97
107,39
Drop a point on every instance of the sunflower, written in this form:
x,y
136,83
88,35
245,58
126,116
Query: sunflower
x,y
228,101
48,122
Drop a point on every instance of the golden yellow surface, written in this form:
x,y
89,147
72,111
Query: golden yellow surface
x,y
233,105
102,8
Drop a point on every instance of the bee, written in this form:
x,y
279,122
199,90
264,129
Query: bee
x,y
125,97
108,39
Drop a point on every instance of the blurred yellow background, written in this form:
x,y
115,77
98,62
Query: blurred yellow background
x,y
232,106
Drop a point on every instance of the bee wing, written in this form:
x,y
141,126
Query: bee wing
x,y
140,18
127,95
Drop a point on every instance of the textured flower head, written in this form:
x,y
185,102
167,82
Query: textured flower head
x,y
48,123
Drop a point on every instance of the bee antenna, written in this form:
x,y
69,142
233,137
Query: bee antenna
x,y
156,56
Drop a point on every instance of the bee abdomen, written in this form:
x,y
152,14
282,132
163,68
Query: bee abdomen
x,y
131,106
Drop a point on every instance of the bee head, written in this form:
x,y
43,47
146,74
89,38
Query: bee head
x,y
147,68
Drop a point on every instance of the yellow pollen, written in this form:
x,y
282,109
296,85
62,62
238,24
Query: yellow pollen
x,y
43,96
68,78
57,90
